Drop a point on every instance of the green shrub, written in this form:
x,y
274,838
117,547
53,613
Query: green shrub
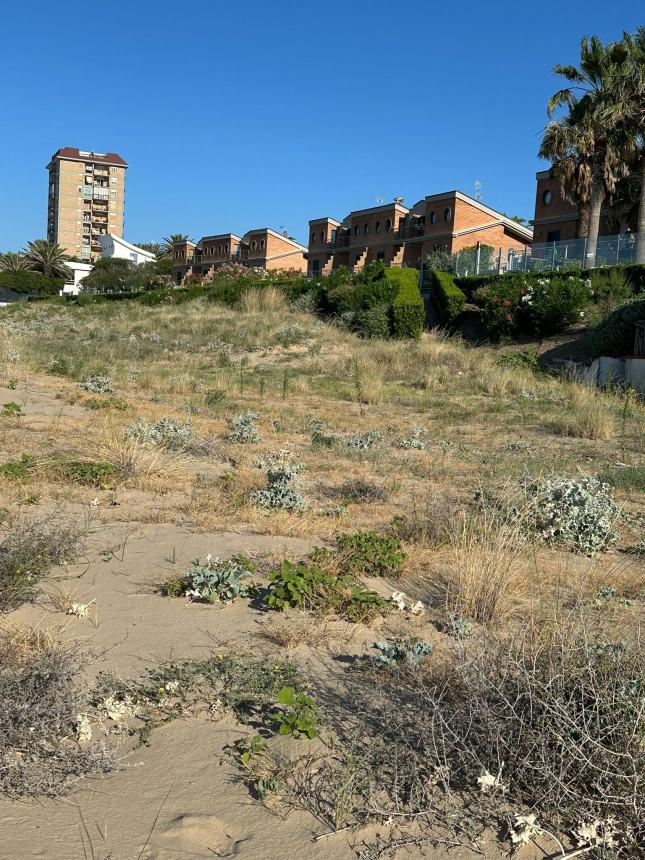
x,y
447,299
87,474
615,334
10,410
369,554
30,283
624,477
214,581
374,322
408,309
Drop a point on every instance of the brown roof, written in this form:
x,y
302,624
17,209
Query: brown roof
x,y
75,153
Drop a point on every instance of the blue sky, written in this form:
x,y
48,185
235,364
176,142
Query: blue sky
x,y
234,116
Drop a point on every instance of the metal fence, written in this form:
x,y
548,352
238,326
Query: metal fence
x,y
565,254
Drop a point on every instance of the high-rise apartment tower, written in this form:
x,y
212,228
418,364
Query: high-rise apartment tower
x,y
86,199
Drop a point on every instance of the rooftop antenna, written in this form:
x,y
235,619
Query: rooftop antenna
x,y
284,230
380,200
399,200
478,190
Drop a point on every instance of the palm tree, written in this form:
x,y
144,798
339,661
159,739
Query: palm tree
x,y
601,136
48,258
564,146
169,241
154,247
12,262
629,107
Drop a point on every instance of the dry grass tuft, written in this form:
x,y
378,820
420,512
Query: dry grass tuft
x,y
488,569
262,300
19,643
588,416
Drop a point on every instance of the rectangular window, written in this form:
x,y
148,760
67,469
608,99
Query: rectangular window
x,y
553,236
380,255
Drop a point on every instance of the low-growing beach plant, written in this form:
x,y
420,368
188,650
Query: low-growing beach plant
x,y
309,587
365,441
11,410
98,384
369,554
166,432
278,493
212,581
19,469
396,651
577,512
242,429
299,714
416,439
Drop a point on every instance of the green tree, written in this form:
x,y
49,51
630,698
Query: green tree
x,y
155,248
599,134
629,107
48,258
169,241
12,262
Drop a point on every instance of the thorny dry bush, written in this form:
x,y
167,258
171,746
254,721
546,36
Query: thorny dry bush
x,y
40,708
550,720
28,549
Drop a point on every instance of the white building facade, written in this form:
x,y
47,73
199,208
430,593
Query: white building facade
x,y
116,246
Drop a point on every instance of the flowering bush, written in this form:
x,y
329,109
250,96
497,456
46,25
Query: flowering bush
x,y
513,305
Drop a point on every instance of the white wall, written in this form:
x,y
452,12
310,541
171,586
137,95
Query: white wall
x,y
115,246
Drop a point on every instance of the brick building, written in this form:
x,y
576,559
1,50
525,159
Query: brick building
x,y
262,248
86,200
400,236
556,219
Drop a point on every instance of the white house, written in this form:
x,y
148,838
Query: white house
x,y
116,246
79,271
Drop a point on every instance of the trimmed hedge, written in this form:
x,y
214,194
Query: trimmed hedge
x,y
30,283
408,309
614,336
447,298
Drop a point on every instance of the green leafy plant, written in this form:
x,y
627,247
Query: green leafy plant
x,y
295,584
369,554
20,469
213,581
11,410
246,748
299,715
88,474
447,298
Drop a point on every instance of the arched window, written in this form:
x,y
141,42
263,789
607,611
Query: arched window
x,y
254,245
388,225
356,230
433,217
322,235
547,197
377,227
262,244
447,215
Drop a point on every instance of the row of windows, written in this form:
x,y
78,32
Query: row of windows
x,y
209,250
447,216
254,245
